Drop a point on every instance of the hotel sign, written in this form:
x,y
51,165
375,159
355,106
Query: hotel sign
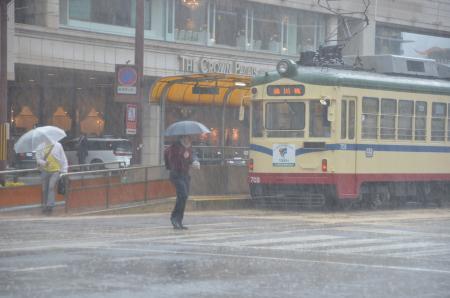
x,y
208,65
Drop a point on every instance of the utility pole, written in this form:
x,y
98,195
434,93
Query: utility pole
x,y
3,86
139,62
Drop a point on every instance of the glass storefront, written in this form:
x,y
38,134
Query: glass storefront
x,y
76,101
237,24
236,132
112,16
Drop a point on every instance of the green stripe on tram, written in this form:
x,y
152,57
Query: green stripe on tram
x,y
358,79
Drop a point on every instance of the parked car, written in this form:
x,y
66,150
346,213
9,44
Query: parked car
x,y
25,160
101,150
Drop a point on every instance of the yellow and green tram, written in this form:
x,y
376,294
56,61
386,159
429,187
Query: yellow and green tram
x,y
340,135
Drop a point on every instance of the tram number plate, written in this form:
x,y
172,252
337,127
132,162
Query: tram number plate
x,y
255,179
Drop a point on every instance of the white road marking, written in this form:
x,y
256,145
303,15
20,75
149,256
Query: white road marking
x,y
278,259
334,243
281,240
34,268
421,253
400,246
390,232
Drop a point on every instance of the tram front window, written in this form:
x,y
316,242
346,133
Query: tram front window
x,y
285,119
319,126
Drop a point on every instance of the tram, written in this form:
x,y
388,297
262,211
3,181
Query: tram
x,y
324,134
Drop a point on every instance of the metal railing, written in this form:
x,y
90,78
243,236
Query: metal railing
x,y
15,175
221,155
129,175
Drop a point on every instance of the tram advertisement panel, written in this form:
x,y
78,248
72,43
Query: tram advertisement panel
x,y
283,155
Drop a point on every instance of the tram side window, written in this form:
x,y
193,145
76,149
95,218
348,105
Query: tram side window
x,y
387,119
257,119
405,117
421,121
369,118
351,120
286,116
319,126
448,123
344,119
438,118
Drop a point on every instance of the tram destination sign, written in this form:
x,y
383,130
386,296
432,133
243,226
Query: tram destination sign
x,y
286,90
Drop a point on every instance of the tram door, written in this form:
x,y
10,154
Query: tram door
x,y
347,186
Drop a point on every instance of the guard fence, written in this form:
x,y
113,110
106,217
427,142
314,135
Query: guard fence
x,y
96,189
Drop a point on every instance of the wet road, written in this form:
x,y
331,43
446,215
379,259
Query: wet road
x,y
228,254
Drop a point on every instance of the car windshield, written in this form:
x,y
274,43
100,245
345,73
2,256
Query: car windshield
x,y
122,146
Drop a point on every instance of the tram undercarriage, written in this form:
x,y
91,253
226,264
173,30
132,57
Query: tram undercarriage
x,y
372,195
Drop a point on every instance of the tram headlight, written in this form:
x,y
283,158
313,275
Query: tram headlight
x,y
282,67
286,67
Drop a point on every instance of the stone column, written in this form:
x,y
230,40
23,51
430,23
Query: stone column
x,y
10,42
52,13
150,134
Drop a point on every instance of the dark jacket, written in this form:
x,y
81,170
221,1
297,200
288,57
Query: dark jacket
x,y
180,158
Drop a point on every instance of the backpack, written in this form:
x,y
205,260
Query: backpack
x,y
167,154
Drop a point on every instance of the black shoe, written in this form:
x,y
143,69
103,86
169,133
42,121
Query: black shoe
x,y
175,224
181,227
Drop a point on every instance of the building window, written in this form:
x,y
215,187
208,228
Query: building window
x,y
438,118
310,31
191,22
388,41
112,12
395,41
24,120
266,28
113,16
230,24
93,124
61,119
30,12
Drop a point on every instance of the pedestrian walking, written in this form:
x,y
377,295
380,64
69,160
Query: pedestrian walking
x,y
52,161
179,158
82,149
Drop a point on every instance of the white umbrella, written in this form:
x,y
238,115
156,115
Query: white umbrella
x,y
35,137
182,128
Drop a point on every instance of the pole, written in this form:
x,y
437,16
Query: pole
x,y
3,85
139,62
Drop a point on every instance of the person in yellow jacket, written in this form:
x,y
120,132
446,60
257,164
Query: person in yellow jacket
x,y
52,161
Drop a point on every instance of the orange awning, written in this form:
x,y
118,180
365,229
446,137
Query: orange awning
x,y
180,89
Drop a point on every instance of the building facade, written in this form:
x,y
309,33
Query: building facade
x,y
62,53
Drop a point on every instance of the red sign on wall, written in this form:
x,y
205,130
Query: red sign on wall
x,y
131,119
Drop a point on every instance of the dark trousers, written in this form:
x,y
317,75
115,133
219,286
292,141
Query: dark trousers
x,y
181,183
